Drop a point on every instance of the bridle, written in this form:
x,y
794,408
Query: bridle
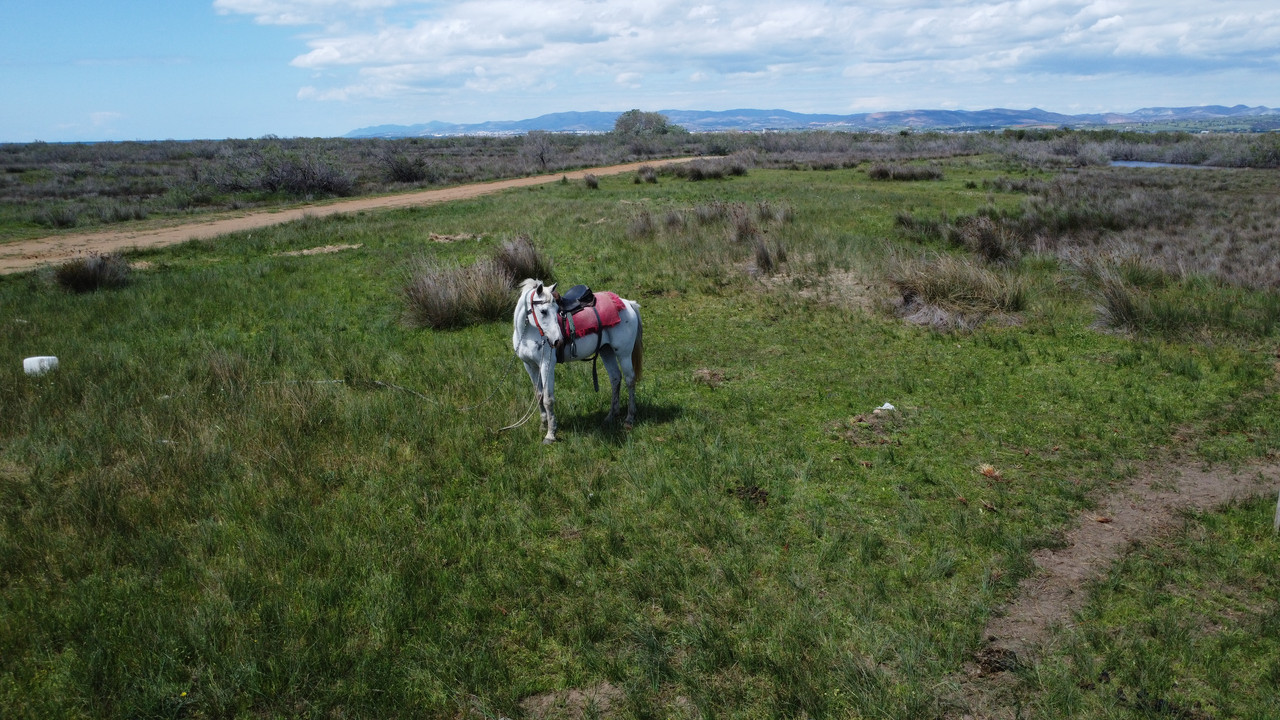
x,y
534,314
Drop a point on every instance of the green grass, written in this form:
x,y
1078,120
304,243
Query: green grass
x,y
198,519
1182,627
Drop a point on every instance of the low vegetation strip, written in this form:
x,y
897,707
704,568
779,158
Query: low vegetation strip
x,y
26,254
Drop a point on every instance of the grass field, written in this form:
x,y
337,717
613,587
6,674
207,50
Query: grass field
x,y
252,489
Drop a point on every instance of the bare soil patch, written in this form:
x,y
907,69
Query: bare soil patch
x,y
597,701
1148,506
28,254
322,250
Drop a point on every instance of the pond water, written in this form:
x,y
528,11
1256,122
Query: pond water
x,y
1140,163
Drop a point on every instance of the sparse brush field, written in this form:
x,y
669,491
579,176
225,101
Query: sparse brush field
x,y
257,487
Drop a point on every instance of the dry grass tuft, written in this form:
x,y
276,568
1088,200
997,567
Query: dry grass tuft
x,y
948,292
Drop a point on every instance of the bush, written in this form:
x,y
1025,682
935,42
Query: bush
x,y
303,174
646,173
92,272
592,182
404,169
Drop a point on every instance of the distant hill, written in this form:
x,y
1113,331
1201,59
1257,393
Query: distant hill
x,y
761,120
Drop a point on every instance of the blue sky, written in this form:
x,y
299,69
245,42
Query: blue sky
x,y
154,70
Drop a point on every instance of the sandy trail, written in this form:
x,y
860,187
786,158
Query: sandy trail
x,y
1141,510
27,254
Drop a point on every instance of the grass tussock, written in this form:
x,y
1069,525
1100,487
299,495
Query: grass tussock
x,y
94,271
952,292
443,296
519,258
1134,296
452,296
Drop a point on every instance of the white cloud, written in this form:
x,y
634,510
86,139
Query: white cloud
x,y
873,50
103,118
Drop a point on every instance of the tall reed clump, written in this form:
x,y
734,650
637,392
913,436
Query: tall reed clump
x,y
93,272
520,259
952,292
442,296
452,296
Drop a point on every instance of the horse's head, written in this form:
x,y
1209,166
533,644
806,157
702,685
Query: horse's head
x,y
539,303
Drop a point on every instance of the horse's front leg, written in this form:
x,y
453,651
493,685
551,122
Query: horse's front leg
x,y
535,376
547,370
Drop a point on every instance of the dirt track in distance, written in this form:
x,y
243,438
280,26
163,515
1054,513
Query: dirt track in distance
x,y
27,254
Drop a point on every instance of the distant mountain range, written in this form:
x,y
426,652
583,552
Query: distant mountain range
x,y
761,120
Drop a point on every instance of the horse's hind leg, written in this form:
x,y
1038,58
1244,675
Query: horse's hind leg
x,y
615,380
628,372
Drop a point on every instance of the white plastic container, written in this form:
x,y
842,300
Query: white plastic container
x,y
40,364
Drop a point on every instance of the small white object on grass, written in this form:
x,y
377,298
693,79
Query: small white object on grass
x,y
40,364
1276,527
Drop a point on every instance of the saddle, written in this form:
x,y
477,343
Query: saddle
x,y
576,298
581,316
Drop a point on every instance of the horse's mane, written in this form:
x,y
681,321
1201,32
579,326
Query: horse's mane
x,y
528,284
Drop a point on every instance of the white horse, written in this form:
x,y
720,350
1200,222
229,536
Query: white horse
x,y
538,334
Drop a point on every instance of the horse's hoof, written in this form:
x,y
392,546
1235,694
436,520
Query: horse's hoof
x,y
626,425
548,440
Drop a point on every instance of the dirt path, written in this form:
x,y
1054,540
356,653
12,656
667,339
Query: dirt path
x,y
27,254
1145,508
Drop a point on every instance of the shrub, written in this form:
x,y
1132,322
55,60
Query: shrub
x,y
520,259
92,272
592,182
303,174
405,169
62,216
120,212
646,173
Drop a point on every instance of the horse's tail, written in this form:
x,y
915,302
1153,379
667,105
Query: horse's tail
x,y
637,351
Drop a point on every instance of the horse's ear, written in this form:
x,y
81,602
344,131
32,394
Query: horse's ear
x,y
551,290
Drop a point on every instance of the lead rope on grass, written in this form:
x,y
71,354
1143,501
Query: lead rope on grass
x,y
524,419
